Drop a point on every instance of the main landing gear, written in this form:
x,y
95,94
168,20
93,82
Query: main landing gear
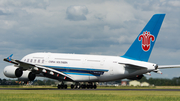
x,y
77,85
62,86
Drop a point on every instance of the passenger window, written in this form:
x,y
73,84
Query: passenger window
x,y
27,60
42,61
34,60
24,60
38,61
31,60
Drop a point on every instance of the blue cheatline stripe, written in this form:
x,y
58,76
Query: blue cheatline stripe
x,y
75,68
80,74
79,71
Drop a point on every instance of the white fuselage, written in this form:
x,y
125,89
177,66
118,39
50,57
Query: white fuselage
x,y
90,67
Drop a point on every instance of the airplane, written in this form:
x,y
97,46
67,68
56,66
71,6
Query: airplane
x,y
91,68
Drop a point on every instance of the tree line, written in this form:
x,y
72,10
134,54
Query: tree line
x,y
162,81
35,82
152,81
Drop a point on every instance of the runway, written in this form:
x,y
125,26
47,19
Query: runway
x,y
91,89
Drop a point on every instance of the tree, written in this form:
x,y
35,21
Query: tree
x,y
143,79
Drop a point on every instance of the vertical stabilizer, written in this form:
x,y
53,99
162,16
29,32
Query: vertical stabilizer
x,y
144,43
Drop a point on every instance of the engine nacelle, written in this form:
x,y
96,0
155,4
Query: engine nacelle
x,y
137,77
12,72
27,76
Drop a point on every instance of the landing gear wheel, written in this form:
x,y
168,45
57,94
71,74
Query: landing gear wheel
x,y
72,86
65,86
62,86
59,86
83,86
94,86
91,86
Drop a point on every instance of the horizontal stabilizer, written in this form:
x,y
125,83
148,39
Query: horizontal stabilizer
x,y
168,66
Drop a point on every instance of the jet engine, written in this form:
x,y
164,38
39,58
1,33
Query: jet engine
x,y
27,76
15,72
137,77
12,72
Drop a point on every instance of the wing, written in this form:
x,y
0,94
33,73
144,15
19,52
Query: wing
x,y
55,72
39,69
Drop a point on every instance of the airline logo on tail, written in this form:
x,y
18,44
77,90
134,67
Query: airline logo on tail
x,y
146,38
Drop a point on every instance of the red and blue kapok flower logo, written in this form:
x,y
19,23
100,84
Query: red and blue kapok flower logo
x,y
146,38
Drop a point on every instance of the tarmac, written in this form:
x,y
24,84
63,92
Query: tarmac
x,y
91,89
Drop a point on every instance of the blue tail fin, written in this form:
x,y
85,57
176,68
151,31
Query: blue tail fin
x,y
143,45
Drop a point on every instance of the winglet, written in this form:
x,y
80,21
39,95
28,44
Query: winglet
x,y
9,58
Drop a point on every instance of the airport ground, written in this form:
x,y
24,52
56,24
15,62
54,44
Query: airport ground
x,y
48,93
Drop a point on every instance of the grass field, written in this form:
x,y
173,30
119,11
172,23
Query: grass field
x,y
87,95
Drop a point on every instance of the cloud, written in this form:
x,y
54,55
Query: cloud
x,y
174,3
76,13
89,27
2,13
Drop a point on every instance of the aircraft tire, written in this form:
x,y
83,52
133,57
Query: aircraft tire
x,y
88,86
94,86
65,86
58,87
72,86
83,86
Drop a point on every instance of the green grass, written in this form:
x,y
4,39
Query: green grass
x,y
139,87
21,86
125,87
87,95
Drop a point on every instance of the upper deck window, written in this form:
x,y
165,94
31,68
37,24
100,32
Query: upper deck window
x,y
31,60
39,61
34,60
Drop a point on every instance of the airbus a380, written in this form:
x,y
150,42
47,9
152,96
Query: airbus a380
x,y
92,68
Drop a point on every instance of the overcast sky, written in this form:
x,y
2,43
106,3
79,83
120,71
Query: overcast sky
x,y
102,27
